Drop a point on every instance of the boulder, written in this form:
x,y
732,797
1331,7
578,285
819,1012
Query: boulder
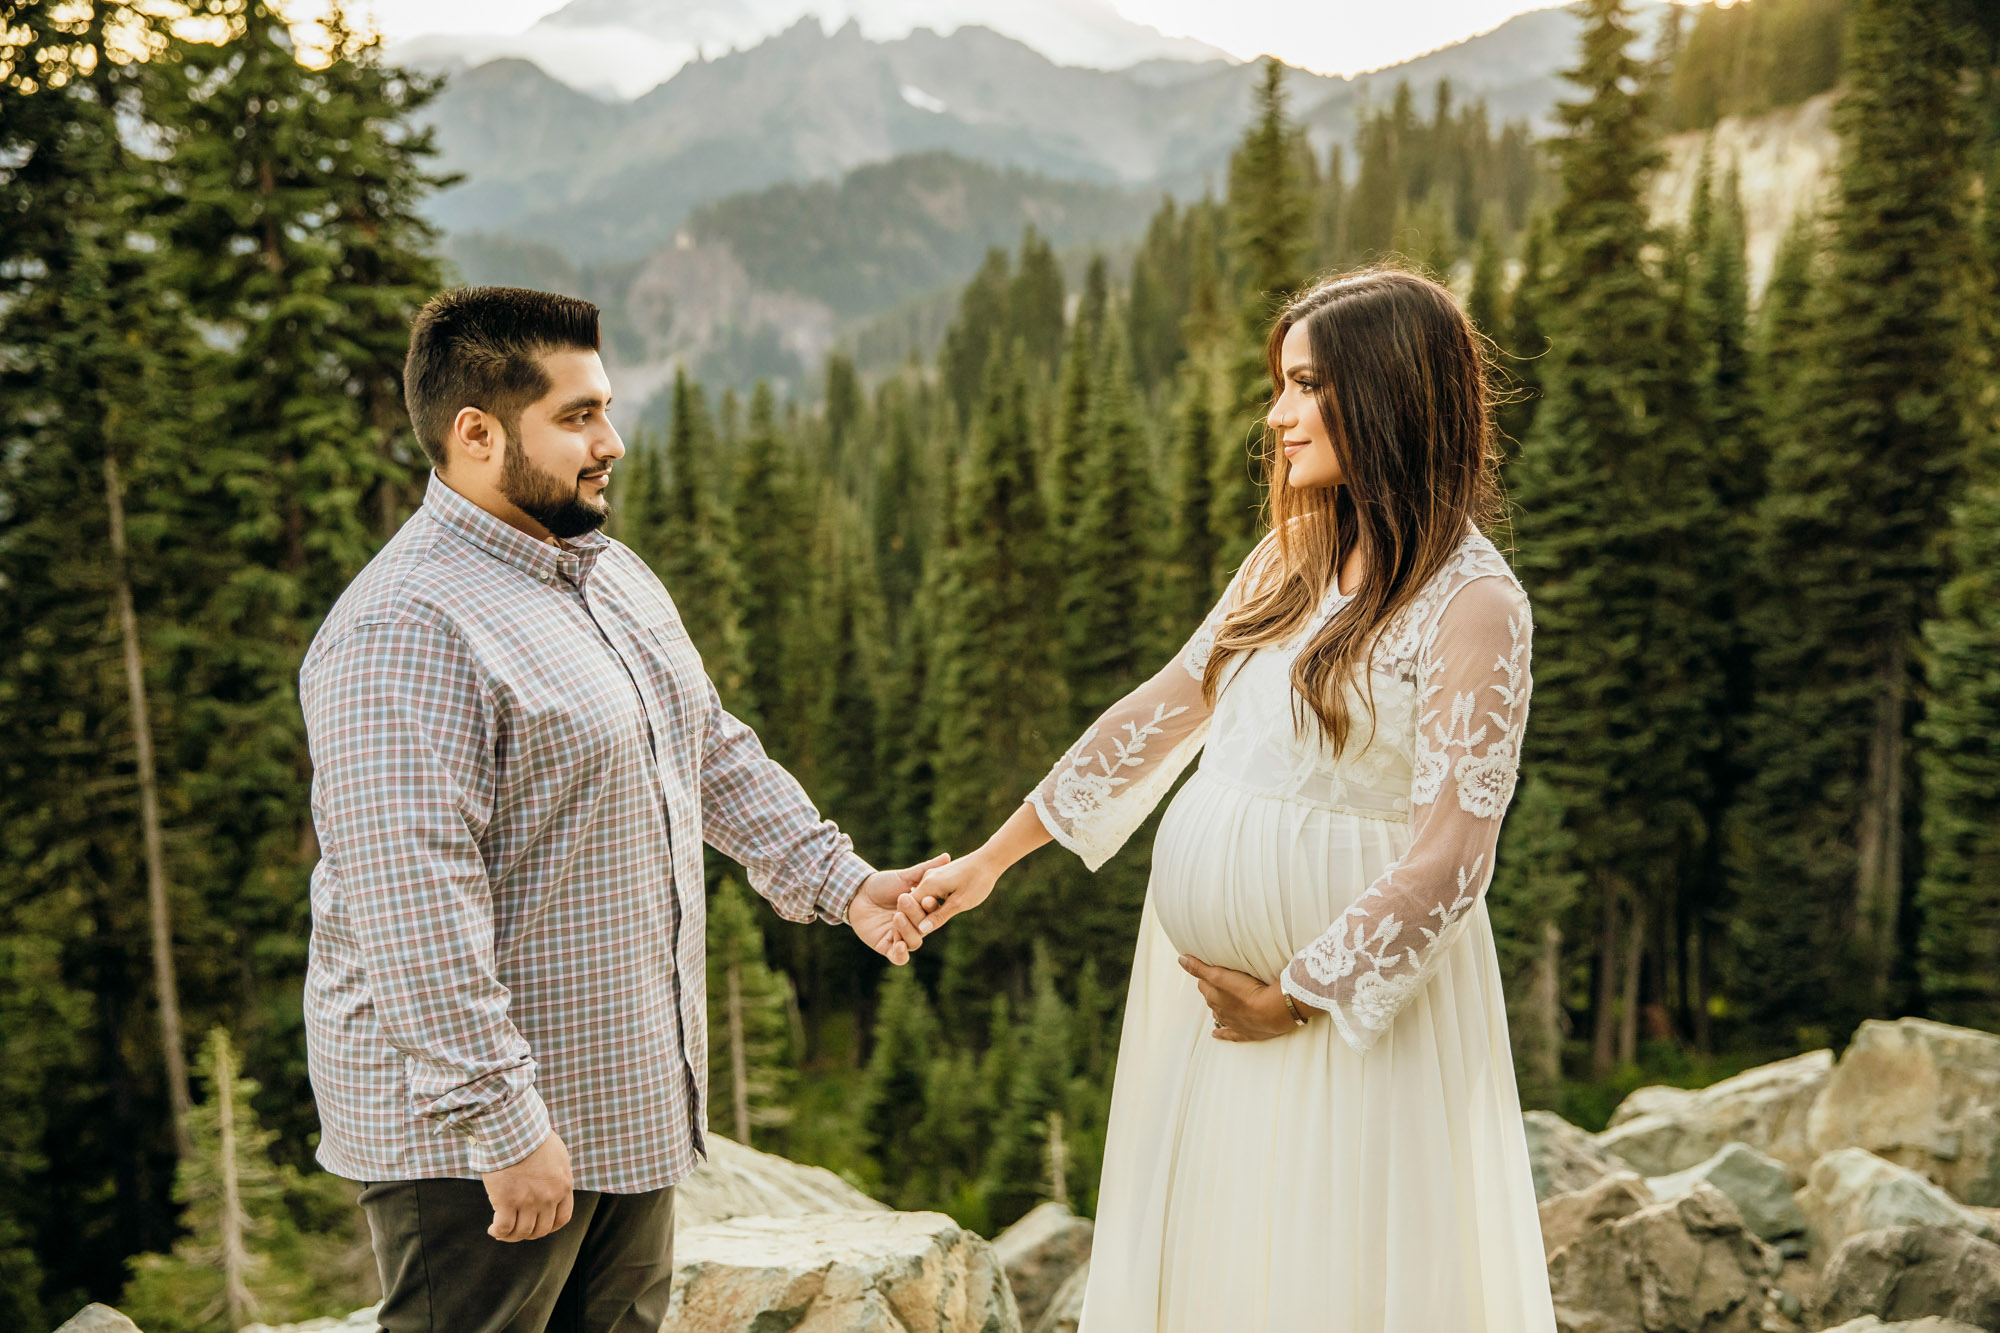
x,y
98,1319
1922,1094
1761,1188
1686,1266
1869,1323
361,1321
1065,1310
1672,1129
1562,1156
1566,1217
1901,1273
1039,1253
738,1181
1852,1190
870,1271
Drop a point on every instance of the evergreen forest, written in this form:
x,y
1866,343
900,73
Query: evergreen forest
x,y
1760,531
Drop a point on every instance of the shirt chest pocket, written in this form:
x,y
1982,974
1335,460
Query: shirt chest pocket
x,y
677,674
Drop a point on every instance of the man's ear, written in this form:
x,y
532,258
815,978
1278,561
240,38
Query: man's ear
x,y
475,434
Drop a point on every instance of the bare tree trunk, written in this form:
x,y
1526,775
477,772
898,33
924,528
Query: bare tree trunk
x,y
1603,1031
1704,950
167,989
1628,1004
235,1253
1058,1160
1879,853
1545,1016
739,1059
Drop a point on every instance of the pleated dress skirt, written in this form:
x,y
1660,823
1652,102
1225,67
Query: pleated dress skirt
x,y
1292,1184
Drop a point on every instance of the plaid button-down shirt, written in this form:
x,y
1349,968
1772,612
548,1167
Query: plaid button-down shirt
x,y
517,757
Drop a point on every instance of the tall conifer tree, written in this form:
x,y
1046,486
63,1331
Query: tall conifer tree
x,y
1860,476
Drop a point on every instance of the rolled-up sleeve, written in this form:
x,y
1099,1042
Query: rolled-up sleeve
x,y
754,812
401,735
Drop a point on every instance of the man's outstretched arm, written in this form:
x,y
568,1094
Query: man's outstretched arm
x,y
754,811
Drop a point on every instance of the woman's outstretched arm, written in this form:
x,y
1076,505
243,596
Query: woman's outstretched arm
x,y
1109,780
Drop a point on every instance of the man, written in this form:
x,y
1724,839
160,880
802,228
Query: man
x,y
517,759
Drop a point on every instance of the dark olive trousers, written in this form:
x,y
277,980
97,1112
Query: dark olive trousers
x,y
608,1271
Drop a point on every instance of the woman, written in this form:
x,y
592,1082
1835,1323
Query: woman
x,y
1314,1122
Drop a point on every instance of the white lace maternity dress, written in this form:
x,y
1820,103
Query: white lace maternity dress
x,y
1367,1173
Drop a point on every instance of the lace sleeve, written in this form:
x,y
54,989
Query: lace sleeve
x,y
1473,683
1124,762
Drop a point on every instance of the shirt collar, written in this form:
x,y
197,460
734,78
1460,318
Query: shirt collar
x,y
570,560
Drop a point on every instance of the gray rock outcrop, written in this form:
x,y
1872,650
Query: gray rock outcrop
x,y
739,1181
1869,1323
1564,1157
1767,1108
1567,1218
1924,1095
1761,1188
1039,1253
1065,1310
1907,1273
1687,1266
1852,1190
854,1272
98,1319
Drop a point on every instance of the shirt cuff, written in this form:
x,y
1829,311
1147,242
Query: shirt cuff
x,y
504,1134
843,882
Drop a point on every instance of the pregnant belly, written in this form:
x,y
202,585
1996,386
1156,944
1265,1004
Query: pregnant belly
x,y
1244,880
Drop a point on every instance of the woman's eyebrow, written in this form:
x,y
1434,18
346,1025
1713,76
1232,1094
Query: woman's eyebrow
x,y
1296,367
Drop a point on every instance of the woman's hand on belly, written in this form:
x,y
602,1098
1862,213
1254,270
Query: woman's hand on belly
x,y
1245,1008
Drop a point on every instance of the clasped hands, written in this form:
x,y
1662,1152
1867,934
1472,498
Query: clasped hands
x,y
1244,1008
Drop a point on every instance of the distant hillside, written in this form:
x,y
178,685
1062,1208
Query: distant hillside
x,y
604,181
895,229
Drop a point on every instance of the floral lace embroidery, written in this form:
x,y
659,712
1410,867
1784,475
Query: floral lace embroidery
x,y
1080,793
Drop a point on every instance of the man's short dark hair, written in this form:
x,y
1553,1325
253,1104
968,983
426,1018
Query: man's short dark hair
x,y
481,347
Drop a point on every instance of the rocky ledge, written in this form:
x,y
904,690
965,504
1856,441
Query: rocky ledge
x,y
1811,1195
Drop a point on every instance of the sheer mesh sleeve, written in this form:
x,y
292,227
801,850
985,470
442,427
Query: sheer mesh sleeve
x,y
1472,671
1121,766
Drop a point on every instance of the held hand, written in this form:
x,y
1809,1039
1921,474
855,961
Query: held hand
x,y
874,914
1245,1008
534,1197
958,887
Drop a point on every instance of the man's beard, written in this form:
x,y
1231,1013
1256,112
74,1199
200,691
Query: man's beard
x,y
557,505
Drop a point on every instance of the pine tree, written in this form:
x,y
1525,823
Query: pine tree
x,y
893,1101
772,531
1156,298
1535,886
93,364
1109,611
232,1265
1017,1171
1614,507
995,693
975,334
1035,302
1187,574
1094,305
1269,216
690,543
296,238
1486,302
1958,938
1524,345
1069,435
1860,476
752,1066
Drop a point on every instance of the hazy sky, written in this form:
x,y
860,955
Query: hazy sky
x,y
1331,36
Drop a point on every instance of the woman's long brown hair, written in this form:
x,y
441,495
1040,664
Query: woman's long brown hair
x,y
1400,377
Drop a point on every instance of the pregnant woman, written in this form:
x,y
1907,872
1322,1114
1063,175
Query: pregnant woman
x,y
1314,1121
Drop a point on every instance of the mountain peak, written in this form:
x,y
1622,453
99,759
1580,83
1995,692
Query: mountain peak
x,y
622,48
